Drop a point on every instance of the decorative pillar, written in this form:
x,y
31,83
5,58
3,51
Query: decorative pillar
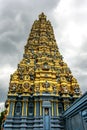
x,y
40,107
24,113
8,108
34,107
24,107
37,108
52,109
11,108
54,106
57,108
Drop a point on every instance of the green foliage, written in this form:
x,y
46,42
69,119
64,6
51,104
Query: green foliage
x,y
1,118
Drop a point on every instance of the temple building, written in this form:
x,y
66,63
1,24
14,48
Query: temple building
x,y
42,87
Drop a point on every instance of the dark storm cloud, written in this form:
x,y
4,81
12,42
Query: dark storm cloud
x,y
24,5
3,94
4,84
8,52
17,16
6,47
16,19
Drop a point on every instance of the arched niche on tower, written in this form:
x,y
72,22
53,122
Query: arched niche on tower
x,y
45,66
18,108
60,107
31,107
46,108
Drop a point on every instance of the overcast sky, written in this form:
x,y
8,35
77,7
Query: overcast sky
x,y
69,20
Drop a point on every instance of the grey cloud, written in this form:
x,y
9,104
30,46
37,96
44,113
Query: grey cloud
x,y
6,47
3,90
81,57
79,3
3,94
84,46
77,63
8,52
40,4
80,66
82,82
80,62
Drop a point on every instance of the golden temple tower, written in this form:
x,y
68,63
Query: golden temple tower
x,y
42,84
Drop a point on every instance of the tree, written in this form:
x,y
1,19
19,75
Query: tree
x,y
1,118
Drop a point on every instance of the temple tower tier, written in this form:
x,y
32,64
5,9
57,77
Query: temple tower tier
x,y
42,87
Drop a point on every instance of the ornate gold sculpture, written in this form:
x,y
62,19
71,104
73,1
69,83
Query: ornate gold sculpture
x,y
42,68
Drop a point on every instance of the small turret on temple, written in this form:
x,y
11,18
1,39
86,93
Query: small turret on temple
x,y
43,86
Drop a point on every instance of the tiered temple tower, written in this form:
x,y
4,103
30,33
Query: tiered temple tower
x,y
43,86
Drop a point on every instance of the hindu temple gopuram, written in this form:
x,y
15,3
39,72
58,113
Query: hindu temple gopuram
x,y
42,87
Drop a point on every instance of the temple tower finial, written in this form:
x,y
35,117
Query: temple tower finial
x,y
42,16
